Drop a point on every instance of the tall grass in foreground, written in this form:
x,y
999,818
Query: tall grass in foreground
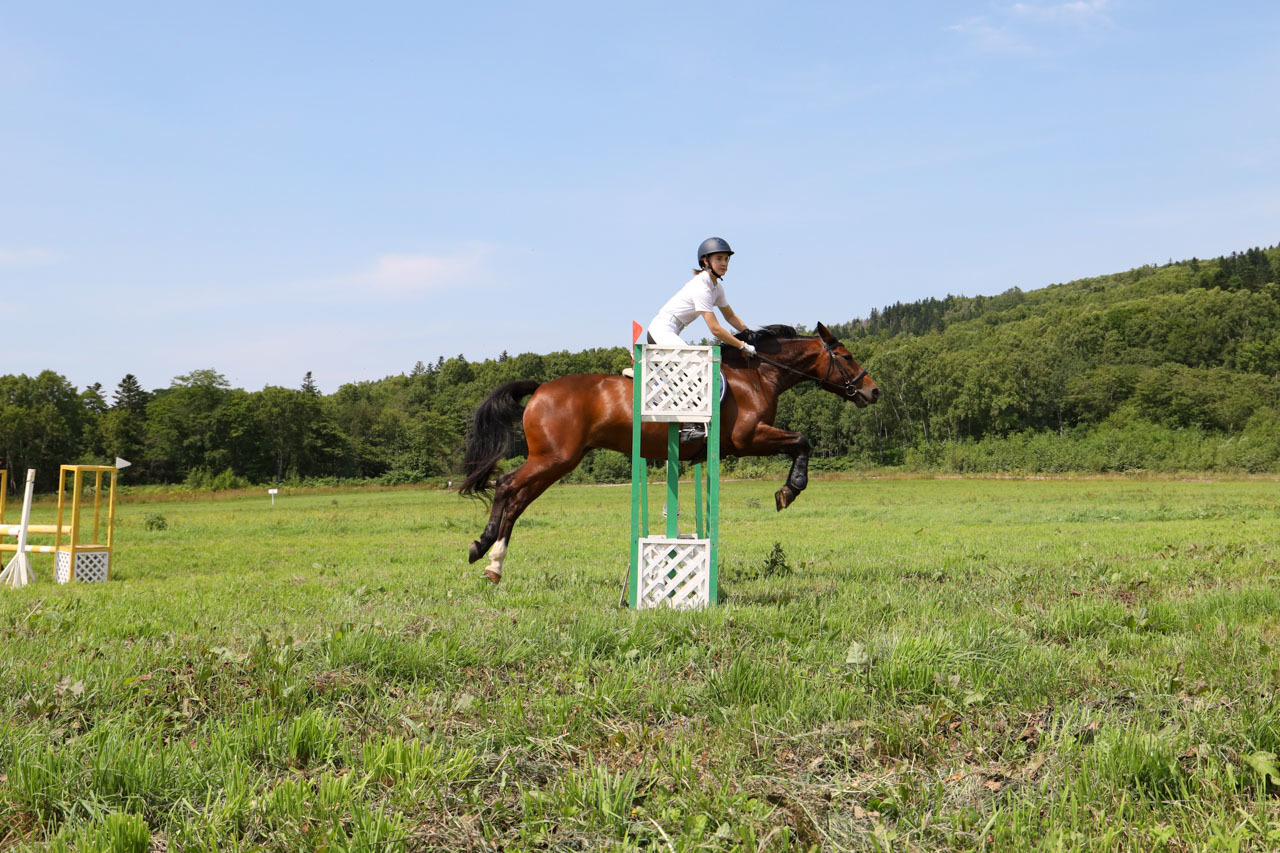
x,y
943,664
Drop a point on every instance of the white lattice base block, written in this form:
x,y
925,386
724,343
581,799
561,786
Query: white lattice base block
x,y
90,566
674,573
677,384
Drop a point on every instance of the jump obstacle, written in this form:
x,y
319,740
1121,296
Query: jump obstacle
x,y
80,550
675,385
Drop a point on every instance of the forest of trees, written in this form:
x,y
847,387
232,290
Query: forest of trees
x,y
1169,367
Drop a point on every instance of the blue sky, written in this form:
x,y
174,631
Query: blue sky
x,y
267,189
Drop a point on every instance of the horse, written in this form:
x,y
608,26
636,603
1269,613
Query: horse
x,y
566,417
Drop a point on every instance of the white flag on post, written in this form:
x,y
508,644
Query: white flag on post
x,y
122,463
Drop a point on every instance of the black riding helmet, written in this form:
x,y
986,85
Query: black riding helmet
x,y
710,246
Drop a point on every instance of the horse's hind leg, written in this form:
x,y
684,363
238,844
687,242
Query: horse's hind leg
x,y
490,535
528,482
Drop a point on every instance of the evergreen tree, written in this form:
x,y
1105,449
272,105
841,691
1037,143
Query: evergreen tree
x,y
130,396
95,408
123,428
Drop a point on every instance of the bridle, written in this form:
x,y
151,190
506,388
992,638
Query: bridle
x,y
850,385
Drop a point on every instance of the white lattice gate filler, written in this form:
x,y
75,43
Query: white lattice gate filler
x,y
675,385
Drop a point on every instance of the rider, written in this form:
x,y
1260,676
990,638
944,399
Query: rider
x,y
700,296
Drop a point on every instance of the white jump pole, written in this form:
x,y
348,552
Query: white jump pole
x,y
18,573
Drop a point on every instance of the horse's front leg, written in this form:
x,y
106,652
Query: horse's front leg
x,y
797,479
766,440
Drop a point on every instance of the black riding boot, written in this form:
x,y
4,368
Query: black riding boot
x,y
692,432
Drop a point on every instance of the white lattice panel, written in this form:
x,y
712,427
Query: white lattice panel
x,y
91,566
677,384
674,573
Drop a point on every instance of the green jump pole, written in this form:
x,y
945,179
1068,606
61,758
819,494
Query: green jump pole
x,y
673,481
697,501
713,479
644,497
639,485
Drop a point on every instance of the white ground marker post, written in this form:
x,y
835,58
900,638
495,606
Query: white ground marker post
x,y
18,573
675,385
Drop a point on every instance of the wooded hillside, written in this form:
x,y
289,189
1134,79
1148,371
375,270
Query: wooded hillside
x,y
1173,367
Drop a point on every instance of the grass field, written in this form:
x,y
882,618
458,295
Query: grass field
x,y
928,664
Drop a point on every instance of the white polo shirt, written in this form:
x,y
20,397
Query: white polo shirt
x,y
698,295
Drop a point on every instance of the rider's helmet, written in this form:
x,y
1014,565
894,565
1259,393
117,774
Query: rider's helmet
x,y
710,246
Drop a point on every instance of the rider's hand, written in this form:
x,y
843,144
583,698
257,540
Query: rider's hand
x,y
748,350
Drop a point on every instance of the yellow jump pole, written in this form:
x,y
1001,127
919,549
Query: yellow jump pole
x,y
74,542
62,488
111,510
97,504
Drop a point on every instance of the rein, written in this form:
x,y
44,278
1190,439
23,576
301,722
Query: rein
x,y
850,385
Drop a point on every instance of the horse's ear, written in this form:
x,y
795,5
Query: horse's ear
x,y
824,333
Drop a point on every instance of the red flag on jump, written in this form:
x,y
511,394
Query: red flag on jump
x,y
636,331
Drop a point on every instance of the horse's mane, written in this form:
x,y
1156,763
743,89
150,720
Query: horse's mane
x,y
777,330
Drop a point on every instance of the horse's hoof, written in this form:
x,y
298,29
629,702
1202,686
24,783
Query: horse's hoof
x,y
494,577
476,552
783,498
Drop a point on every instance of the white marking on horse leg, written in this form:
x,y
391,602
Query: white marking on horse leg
x,y
497,554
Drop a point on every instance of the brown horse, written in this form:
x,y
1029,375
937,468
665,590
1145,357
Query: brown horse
x,y
572,414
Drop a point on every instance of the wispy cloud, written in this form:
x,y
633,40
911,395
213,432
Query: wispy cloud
x,y
390,278
1079,12
414,274
1028,28
988,36
25,257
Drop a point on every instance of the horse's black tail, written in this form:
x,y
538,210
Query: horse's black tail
x,y
490,436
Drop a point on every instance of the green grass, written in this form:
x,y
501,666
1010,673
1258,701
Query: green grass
x,y
1080,664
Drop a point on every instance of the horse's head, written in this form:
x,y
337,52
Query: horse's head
x,y
842,373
